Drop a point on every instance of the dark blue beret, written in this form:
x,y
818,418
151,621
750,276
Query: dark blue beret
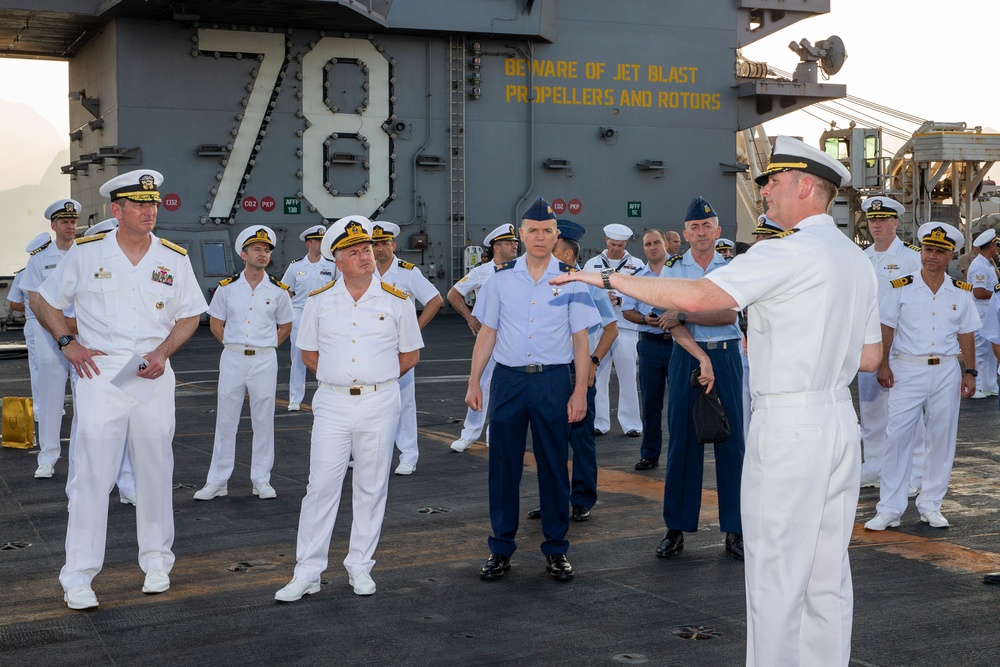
x,y
539,210
700,209
571,230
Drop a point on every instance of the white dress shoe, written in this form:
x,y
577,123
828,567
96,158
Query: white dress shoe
x,y
979,394
157,581
80,597
912,491
44,471
935,519
294,407
882,521
405,468
264,491
869,481
460,445
362,582
128,499
210,491
295,589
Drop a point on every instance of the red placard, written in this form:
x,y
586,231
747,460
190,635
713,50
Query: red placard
x,y
574,207
249,203
267,204
558,206
171,202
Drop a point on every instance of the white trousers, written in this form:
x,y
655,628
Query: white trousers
x,y
406,431
986,362
798,498
476,419
297,375
31,332
109,421
920,390
874,408
346,426
239,375
126,473
53,371
623,356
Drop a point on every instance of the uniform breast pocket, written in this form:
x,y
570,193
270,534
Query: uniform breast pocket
x,y
158,299
103,296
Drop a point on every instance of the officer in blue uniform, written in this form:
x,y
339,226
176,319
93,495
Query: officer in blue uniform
x,y
534,331
582,439
719,335
654,347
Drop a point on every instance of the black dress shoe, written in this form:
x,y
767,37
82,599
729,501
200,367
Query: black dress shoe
x,y
646,464
598,433
495,567
633,434
992,578
734,545
580,513
559,567
671,545
535,513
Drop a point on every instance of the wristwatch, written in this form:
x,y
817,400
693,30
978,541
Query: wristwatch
x,y
682,317
973,372
64,341
596,360
606,277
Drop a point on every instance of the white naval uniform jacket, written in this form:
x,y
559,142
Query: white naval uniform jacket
x,y
251,315
303,276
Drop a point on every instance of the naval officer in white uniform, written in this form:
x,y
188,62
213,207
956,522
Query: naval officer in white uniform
x,y
303,276
53,369
251,315
798,501
892,259
136,302
623,352
982,275
928,320
407,278
358,335
19,301
502,243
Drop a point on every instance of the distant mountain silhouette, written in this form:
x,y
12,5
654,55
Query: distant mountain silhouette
x,y
30,180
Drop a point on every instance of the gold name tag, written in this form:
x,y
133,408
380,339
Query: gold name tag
x,y
100,275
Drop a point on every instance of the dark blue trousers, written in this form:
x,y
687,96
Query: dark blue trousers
x,y
519,400
654,360
686,457
584,444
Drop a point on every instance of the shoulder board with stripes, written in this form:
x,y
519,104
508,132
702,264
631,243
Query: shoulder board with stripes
x,y
912,247
230,279
323,288
673,260
787,232
46,245
964,285
996,288
505,265
405,265
81,240
566,268
900,282
275,281
297,260
173,246
394,291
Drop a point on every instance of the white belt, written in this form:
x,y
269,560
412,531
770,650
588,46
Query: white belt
x,y
247,350
801,399
926,359
358,389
